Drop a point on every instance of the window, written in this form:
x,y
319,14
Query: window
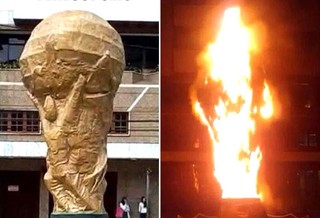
x,y
11,48
19,121
308,180
29,122
142,53
308,140
120,123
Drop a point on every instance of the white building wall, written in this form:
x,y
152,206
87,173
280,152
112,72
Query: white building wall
x,y
119,10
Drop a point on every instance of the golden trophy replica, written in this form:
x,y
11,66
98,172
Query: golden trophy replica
x,y
72,67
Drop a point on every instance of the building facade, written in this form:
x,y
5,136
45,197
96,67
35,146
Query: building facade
x,y
133,140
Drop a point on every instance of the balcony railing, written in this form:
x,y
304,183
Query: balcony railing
x,y
9,65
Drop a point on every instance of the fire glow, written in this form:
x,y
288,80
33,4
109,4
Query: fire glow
x,y
236,160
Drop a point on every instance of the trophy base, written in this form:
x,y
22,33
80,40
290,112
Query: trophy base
x,y
79,215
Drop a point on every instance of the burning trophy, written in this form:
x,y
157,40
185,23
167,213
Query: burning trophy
x,y
72,67
232,121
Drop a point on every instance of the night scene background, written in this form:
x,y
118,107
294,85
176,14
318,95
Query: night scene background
x,y
288,36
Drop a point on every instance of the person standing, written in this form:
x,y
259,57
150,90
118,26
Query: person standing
x,y
125,208
143,207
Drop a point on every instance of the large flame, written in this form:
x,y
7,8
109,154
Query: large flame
x,y
236,160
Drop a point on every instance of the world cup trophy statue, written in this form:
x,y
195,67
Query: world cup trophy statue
x,y
72,66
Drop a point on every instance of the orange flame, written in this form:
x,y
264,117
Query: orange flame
x,y
266,111
236,161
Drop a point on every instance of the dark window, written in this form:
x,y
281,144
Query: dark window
x,y
142,53
29,122
308,181
302,99
19,121
11,47
308,140
3,121
120,123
